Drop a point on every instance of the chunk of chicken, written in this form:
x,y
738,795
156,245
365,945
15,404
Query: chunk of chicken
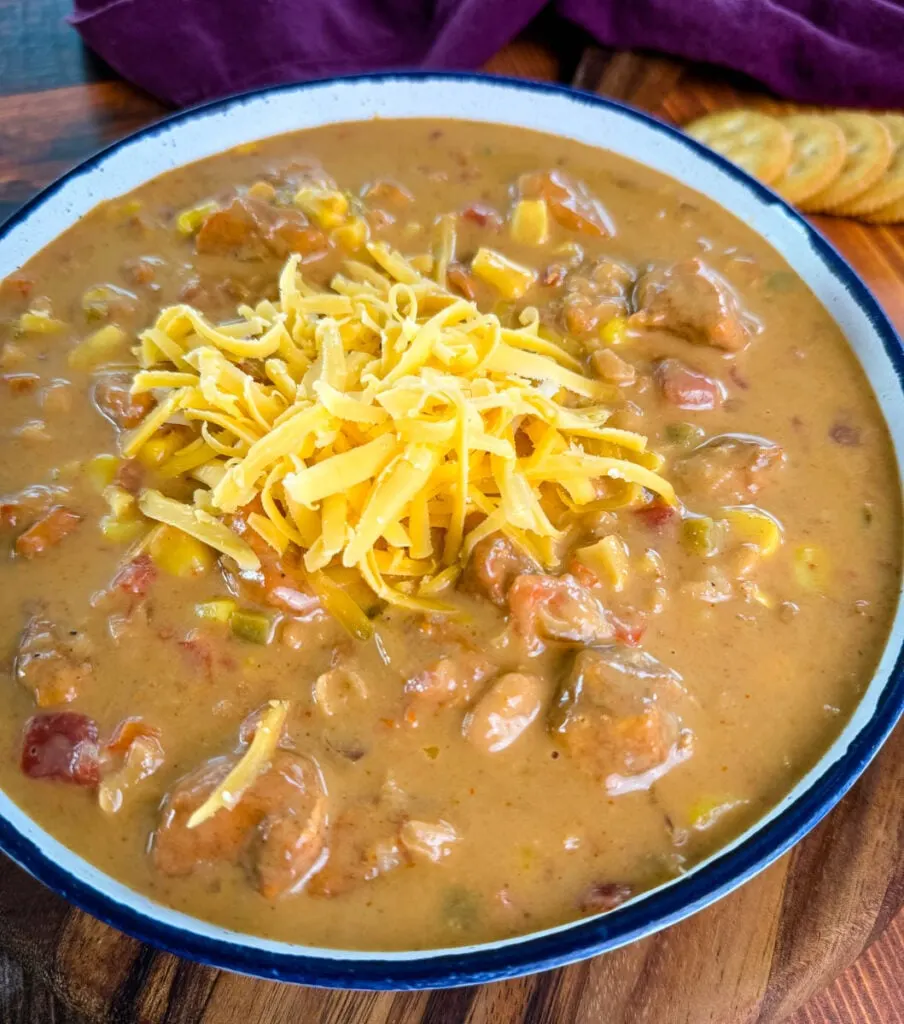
x,y
371,838
595,294
615,714
570,202
493,565
51,663
729,468
365,843
558,608
250,229
276,830
691,300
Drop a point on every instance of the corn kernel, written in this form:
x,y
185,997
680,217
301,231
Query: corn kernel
x,y
353,235
422,263
101,471
97,348
608,558
530,222
327,207
220,610
178,554
189,221
754,526
510,279
614,331
262,190
40,323
811,568
122,531
121,502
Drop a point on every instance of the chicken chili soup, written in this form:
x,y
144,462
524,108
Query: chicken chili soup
x,y
421,533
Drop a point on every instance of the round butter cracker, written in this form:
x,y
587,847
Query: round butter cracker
x,y
890,187
757,143
817,156
869,149
893,213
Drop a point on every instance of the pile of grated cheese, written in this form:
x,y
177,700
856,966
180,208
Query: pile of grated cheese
x,y
385,424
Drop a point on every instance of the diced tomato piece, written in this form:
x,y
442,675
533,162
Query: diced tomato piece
x,y
657,515
61,746
113,397
136,577
47,532
483,215
629,627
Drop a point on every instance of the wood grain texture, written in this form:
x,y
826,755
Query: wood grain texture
x,y
758,956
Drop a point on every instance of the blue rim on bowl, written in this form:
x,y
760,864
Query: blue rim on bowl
x,y
793,817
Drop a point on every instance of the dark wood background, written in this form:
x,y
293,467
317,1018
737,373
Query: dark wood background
x,y
764,953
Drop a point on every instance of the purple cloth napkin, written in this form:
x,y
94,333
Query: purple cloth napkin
x,y
844,52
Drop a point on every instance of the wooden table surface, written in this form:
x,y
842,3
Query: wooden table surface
x,y
58,103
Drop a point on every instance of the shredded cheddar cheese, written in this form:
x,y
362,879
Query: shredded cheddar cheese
x,y
255,759
386,424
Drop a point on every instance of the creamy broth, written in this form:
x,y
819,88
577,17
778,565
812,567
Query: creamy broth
x,y
440,824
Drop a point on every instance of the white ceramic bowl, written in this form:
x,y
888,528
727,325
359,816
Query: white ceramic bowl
x,y
201,132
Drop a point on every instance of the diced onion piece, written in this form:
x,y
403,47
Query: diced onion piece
x,y
509,278
252,763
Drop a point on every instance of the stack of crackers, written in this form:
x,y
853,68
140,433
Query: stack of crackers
x,y
842,163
